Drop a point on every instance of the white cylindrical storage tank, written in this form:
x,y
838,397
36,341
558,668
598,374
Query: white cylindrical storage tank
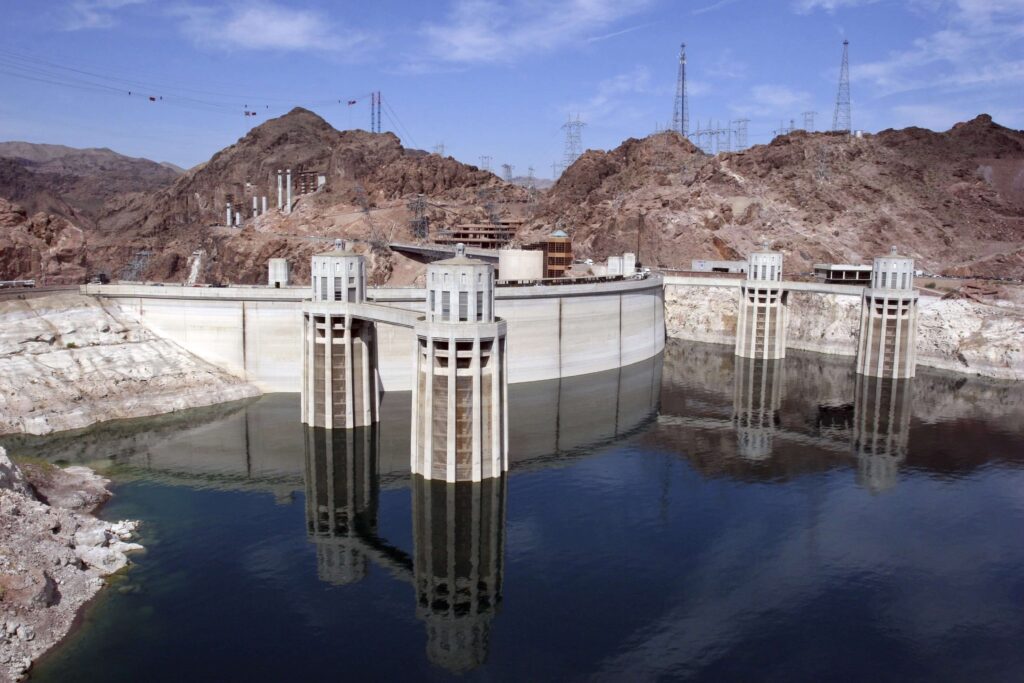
x,y
277,272
628,263
520,264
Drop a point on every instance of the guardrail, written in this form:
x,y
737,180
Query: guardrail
x,y
10,284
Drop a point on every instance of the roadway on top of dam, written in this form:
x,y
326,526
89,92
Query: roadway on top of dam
x,y
418,294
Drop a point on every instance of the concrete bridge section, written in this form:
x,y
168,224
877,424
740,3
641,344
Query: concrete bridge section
x,y
554,331
436,252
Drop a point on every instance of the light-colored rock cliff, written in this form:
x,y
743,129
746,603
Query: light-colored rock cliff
x,y
67,361
953,334
53,555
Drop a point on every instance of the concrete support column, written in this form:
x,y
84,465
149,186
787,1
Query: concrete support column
x,y
288,192
280,197
227,220
263,208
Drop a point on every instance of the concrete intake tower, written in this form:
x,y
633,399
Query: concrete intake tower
x,y
340,388
888,321
459,396
761,327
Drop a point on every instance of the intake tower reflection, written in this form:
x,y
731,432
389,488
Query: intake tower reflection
x,y
881,429
757,395
459,534
341,499
458,540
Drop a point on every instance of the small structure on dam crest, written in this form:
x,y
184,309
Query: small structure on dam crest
x,y
888,321
761,327
340,388
459,396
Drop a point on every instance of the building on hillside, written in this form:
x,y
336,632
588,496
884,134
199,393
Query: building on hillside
x,y
705,266
557,249
842,273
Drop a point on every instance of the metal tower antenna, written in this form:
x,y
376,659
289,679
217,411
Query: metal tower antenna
x,y
740,125
681,114
573,140
809,120
375,112
485,162
841,117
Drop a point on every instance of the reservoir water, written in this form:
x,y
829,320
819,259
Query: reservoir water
x,y
694,517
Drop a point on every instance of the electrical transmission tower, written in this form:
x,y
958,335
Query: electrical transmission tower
x,y
809,120
573,140
375,112
507,171
485,162
681,114
841,117
556,170
439,149
740,126
531,182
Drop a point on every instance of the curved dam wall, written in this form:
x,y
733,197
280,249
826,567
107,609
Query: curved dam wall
x,y
554,331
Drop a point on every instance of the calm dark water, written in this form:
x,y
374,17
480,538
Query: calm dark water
x,y
691,518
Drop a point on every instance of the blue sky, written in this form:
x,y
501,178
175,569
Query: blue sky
x,y
490,77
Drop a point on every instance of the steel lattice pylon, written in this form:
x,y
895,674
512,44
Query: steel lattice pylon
x,y
841,117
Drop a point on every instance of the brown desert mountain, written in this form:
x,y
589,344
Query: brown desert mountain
x,y
953,200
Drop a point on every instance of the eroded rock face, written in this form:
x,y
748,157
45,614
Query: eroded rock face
x,y
953,200
43,247
67,361
52,558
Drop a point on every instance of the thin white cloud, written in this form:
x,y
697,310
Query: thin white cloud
x,y
806,6
264,26
613,96
713,6
95,14
615,34
983,46
779,97
489,31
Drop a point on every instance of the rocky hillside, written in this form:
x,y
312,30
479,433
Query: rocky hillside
x,y
42,246
953,200
366,173
74,183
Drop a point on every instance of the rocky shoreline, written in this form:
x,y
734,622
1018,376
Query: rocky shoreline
x,y
67,361
54,555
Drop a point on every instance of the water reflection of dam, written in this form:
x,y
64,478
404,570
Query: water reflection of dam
x,y
258,443
853,416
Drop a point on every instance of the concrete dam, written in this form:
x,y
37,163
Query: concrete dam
x,y
554,331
